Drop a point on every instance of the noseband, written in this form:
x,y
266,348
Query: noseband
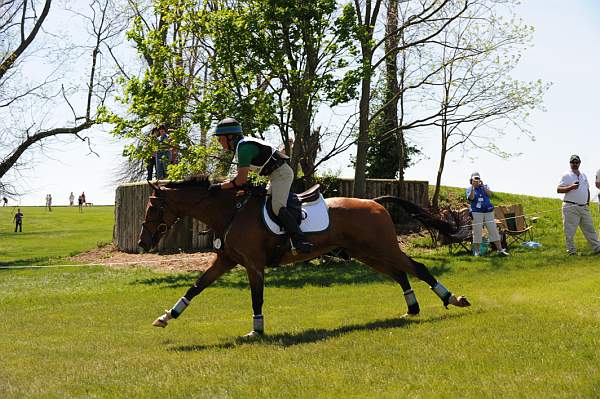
x,y
161,226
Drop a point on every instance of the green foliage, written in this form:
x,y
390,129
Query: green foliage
x,y
199,160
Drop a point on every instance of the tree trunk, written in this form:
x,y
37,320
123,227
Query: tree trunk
x,y
438,180
391,83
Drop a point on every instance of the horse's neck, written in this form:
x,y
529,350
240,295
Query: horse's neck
x,y
215,211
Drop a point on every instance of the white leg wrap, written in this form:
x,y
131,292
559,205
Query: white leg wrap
x,y
179,307
442,292
258,323
410,297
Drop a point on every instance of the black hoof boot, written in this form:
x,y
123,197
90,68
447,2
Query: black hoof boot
x,y
413,310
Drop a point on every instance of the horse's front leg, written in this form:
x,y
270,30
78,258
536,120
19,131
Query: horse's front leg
x,y
256,277
220,265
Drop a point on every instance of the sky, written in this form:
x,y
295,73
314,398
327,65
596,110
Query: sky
x,y
565,53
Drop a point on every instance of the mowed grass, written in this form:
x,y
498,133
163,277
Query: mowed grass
x,y
47,235
334,330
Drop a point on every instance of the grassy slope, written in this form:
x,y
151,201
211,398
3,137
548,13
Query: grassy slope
x,y
63,232
334,330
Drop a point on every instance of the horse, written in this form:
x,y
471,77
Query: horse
x,y
363,228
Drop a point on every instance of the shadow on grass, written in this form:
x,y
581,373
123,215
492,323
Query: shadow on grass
x,y
25,262
294,276
313,335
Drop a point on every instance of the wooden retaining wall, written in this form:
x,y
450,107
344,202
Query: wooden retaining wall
x,y
130,207
412,190
131,200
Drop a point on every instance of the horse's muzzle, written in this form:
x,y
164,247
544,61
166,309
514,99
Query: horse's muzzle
x,y
144,246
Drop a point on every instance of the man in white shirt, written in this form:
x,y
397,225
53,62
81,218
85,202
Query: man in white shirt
x,y
574,185
598,182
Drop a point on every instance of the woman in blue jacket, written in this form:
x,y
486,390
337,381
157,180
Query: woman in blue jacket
x,y
482,210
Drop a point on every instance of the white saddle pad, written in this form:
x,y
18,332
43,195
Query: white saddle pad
x,y
316,217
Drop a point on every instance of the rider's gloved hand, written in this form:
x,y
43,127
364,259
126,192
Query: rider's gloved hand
x,y
214,188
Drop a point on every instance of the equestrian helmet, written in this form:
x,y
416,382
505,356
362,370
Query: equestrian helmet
x,y
228,126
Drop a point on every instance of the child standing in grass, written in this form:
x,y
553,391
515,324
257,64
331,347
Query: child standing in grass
x,y
18,219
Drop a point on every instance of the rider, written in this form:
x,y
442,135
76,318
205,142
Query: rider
x,y
259,156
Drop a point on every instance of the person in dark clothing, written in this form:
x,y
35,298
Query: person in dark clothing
x,y
4,201
151,161
18,219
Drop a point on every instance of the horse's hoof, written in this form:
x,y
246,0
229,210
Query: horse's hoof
x,y
159,323
162,321
409,315
252,336
460,301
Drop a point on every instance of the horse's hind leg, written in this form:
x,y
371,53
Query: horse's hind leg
x,y
397,263
397,275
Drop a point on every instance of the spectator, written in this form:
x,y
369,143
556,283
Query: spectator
x,y
80,203
71,199
83,200
18,219
49,202
482,210
598,183
574,185
151,161
163,155
4,201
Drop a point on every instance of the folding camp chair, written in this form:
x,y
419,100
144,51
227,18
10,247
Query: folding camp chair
x,y
513,224
464,236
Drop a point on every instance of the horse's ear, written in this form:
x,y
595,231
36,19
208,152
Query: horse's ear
x,y
156,187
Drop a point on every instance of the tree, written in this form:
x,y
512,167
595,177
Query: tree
x,y
21,24
476,96
431,14
292,54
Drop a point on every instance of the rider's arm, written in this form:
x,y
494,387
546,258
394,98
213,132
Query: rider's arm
x,y
238,180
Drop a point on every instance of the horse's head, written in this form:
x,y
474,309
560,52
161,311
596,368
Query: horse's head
x,y
158,219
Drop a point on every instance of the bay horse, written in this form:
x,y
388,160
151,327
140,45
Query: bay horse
x,y
361,227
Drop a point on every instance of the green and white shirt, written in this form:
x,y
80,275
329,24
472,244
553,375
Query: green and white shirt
x,y
253,153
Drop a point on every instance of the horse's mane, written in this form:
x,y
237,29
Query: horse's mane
x,y
197,181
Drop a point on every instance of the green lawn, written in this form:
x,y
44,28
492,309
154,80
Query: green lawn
x,y
334,330
49,235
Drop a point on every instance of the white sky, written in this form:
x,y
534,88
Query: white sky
x,y
565,52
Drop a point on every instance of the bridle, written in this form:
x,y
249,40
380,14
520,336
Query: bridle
x,y
161,226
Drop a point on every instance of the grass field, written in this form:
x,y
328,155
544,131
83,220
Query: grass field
x,y
48,236
334,330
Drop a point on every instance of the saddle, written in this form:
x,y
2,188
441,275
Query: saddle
x,y
294,203
309,209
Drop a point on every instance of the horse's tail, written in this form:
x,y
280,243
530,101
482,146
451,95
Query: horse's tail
x,y
420,214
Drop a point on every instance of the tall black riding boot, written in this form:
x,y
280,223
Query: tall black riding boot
x,y
290,225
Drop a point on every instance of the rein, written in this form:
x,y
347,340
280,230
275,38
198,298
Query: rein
x,y
218,242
